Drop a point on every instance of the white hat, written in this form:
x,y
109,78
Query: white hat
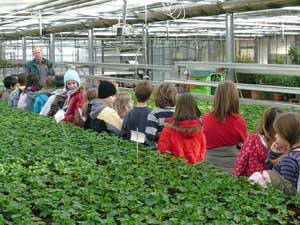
x,y
71,75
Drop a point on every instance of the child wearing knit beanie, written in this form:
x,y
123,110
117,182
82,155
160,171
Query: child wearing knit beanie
x,y
74,97
101,115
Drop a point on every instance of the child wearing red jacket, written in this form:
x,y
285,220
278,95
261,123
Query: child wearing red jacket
x,y
183,135
253,154
74,97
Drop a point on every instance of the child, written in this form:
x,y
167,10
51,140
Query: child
x,y
56,100
165,101
224,127
122,104
32,83
28,96
91,94
15,95
102,116
137,117
253,154
10,84
42,98
183,135
74,96
22,80
284,155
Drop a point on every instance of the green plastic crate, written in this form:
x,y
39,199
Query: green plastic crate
x,y
204,76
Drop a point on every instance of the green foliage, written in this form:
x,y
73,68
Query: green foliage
x,y
275,80
5,64
244,59
249,78
60,174
294,55
278,59
287,81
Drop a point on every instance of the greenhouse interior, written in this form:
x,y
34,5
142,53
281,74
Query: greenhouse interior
x,y
51,172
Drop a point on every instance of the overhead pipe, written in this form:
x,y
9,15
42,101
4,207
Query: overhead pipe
x,y
29,7
191,11
83,5
42,6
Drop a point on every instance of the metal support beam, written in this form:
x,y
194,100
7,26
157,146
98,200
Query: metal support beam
x,y
2,57
229,43
275,69
91,55
266,88
193,10
102,54
24,48
52,48
91,51
257,50
145,43
124,11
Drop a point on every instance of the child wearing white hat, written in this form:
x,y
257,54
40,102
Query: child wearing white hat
x,y
74,97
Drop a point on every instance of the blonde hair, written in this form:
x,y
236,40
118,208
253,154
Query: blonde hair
x,y
121,104
287,125
91,93
37,48
49,82
226,101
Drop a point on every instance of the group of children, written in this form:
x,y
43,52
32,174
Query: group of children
x,y
271,155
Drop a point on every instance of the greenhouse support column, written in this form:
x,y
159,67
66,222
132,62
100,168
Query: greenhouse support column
x,y
269,50
257,50
24,50
102,54
52,48
145,47
91,55
229,43
145,44
2,56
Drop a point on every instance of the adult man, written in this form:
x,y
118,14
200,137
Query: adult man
x,y
39,66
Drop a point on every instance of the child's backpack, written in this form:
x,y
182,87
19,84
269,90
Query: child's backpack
x,y
39,102
14,97
22,103
31,96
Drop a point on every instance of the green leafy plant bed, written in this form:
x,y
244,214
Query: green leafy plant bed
x,y
60,174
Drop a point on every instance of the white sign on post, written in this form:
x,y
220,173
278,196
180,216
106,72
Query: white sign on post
x,y
59,115
137,136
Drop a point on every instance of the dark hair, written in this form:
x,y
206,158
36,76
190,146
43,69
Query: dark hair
x,y
32,81
22,79
166,95
266,127
186,108
226,101
143,91
9,81
59,81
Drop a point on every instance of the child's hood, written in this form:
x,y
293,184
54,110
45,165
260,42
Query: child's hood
x,y
188,128
97,106
59,92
